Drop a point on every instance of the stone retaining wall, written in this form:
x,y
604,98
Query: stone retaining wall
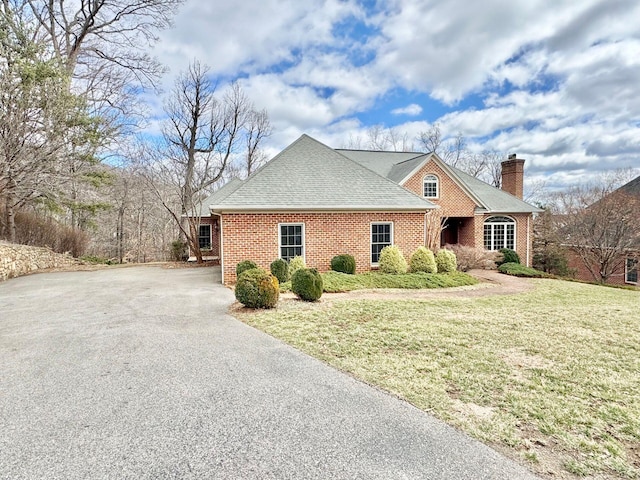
x,y
16,260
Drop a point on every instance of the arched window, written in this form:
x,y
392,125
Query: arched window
x,y
499,232
431,189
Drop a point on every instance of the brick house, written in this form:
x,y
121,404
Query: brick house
x,y
621,251
317,202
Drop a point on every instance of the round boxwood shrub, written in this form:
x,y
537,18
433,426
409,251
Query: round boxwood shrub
x,y
422,260
344,263
280,269
306,283
296,263
244,266
508,256
256,288
392,261
446,261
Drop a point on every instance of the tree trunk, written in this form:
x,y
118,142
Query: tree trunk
x,y
11,218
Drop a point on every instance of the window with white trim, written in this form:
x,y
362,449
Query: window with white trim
x,y
499,232
291,240
631,270
204,237
431,186
381,236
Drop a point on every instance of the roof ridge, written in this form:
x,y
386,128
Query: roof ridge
x,y
377,151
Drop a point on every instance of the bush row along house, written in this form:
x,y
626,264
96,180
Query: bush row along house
x,y
317,202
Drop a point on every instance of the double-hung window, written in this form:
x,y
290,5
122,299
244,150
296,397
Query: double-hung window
x,y
431,186
204,236
499,232
631,270
381,236
291,239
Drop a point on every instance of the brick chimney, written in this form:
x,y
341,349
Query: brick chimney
x,y
513,175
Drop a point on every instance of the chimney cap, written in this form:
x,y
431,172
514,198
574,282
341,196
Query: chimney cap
x,y
512,156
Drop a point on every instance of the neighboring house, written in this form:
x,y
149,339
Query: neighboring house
x,y
317,202
615,247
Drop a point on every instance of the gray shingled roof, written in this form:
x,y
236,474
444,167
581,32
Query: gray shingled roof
x,y
492,198
631,188
387,164
218,195
397,166
308,175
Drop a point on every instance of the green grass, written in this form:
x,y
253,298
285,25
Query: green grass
x,y
342,282
551,375
519,270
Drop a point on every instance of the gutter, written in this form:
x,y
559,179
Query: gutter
x,y
220,245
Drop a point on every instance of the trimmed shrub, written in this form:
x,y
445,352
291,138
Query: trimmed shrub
x,y
256,288
422,260
296,263
470,258
446,261
508,256
280,269
306,283
518,270
245,265
392,261
344,263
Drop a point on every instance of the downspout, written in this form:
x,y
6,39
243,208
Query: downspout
x,y
220,245
425,228
528,240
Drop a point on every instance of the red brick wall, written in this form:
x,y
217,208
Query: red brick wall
x,y
453,200
215,240
255,237
513,177
582,272
456,203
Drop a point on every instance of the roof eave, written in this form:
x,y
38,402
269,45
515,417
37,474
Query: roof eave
x,y
320,209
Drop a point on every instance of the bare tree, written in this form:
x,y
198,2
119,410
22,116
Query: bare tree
x,y
103,42
201,138
601,224
258,128
379,138
452,150
434,224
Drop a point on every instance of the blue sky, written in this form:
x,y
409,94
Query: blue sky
x,y
557,82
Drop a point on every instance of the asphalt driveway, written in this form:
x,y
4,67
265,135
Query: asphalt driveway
x,y
139,373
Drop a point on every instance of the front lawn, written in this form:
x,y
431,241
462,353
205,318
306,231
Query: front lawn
x,y
551,376
341,282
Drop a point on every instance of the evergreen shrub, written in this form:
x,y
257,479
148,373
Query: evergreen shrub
x,y
296,263
344,263
392,261
446,261
508,256
422,260
306,283
245,265
256,288
280,269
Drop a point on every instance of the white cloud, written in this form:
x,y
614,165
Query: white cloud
x,y
411,110
554,80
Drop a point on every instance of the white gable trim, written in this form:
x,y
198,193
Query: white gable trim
x,y
438,161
